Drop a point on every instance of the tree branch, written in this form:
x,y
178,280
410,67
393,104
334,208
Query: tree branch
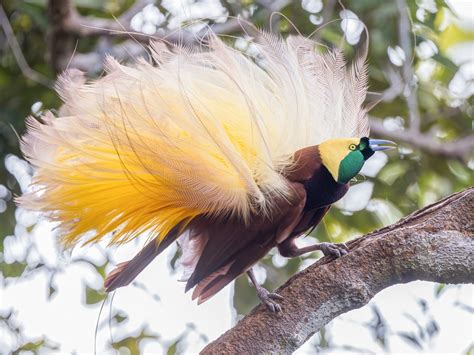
x,y
404,85
133,47
435,243
18,54
404,31
74,23
66,22
460,149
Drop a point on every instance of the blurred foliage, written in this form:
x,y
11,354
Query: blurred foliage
x,y
132,343
407,182
35,346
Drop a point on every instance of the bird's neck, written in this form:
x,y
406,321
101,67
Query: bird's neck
x,y
321,188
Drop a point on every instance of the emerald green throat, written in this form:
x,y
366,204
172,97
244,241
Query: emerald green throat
x,y
350,166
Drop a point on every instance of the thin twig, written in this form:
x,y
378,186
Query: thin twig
x,y
93,26
396,85
460,149
328,11
92,62
18,54
138,6
66,23
120,27
404,31
274,8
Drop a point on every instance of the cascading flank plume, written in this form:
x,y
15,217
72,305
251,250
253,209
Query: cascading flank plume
x,y
225,154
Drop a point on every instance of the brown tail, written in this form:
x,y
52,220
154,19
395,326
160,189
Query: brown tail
x,y
127,271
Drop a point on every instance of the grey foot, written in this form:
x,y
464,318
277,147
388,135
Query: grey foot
x,y
333,249
269,299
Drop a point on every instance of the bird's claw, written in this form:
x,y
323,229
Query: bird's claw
x,y
333,249
269,299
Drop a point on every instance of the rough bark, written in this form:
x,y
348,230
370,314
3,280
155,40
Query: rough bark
x,y
435,243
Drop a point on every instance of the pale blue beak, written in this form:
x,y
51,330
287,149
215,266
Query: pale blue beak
x,y
375,144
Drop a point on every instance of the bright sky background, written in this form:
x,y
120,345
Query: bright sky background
x,y
66,320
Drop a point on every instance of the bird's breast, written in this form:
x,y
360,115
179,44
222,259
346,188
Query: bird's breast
x,y
322,190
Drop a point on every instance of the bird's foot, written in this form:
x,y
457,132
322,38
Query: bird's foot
x,y
333,249
269,299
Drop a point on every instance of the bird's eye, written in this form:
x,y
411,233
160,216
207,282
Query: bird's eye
x,y
352,147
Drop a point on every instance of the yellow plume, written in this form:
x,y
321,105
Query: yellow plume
x,y
147,147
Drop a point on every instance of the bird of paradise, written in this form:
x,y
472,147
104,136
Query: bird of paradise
x,y
227,155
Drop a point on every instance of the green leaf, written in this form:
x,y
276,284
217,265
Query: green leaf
x,y
14,269
51,291
94,296
460,171
175,258
393,171
439,290
132,343
101,269
31,346
174,347
36,347
470,350
120,317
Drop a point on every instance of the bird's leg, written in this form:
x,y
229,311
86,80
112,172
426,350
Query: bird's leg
x,y
289,249
267,298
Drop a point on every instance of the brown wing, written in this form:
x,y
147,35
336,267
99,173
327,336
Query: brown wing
x,y
233,247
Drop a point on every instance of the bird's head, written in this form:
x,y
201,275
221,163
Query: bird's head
x,y
345,157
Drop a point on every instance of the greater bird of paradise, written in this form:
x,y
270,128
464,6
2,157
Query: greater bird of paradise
x,y
226,154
